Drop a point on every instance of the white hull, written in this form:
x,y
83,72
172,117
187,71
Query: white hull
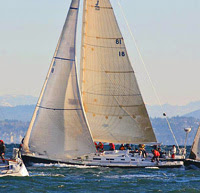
x,y
126,159
122,159
13,168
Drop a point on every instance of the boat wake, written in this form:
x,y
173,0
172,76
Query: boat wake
x,y
63,166
132,176
46,174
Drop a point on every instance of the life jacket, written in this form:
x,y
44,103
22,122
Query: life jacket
x,y
96,145
156,153
122,148
112,146
100,145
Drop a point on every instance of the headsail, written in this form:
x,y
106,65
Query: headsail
x,y
58,129
195,151
112,100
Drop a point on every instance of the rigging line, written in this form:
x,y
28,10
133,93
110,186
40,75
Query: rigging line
x,y
142,60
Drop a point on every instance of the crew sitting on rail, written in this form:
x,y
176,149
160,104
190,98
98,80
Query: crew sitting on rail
x,y
128,146
95,143
142,150
156,155
112,146
100,147
173,151
2,150
162,153
122,147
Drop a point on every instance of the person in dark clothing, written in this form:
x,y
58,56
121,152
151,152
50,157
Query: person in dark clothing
x,y
128,146
162,154
2,150
112,147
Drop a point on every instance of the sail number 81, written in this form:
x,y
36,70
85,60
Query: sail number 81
x,y
118,41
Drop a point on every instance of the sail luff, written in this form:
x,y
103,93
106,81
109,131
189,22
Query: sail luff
x,y
27,136
195,150
112,100
82,44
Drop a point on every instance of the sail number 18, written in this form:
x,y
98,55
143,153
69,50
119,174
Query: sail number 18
x,y
121,53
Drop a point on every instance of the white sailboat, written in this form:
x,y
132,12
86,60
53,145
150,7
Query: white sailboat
x,y
109,107
13,167
194,158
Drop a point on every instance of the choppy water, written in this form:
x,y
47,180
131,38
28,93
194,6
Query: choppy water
x,y
63,178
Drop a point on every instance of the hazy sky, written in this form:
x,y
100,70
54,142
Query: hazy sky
x,y
167,33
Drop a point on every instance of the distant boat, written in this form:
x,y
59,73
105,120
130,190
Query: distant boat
x,y
194,157
109,107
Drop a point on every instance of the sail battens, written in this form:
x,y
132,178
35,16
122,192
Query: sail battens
x,y
74,8
98,7
108,72
105,38
112,106
117,72
115,95
57,109
108,79
106,116
99,46
64,59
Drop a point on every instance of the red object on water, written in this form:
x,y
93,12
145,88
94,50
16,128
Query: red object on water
x,y
173,156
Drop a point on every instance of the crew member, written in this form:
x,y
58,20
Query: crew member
x,y
2,150
162,154
112,146
156,155
128,146
96,145
142,150
173,151
122,147
100,147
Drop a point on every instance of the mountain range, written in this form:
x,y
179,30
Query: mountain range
x,y
190,110
16,100
16,113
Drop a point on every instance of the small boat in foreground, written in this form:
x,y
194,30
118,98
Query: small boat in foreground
x,y
13,167
193,161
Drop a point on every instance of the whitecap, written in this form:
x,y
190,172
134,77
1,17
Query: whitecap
x,y
63,165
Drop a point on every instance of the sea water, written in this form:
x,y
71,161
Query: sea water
x,y
66,178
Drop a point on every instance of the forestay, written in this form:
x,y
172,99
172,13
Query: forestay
x,y
195,151
112,100
58,129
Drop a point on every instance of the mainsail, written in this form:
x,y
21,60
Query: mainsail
x,y
59,129
112,100
195,151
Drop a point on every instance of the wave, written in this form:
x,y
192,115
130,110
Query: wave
x,y
63,165
46,174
